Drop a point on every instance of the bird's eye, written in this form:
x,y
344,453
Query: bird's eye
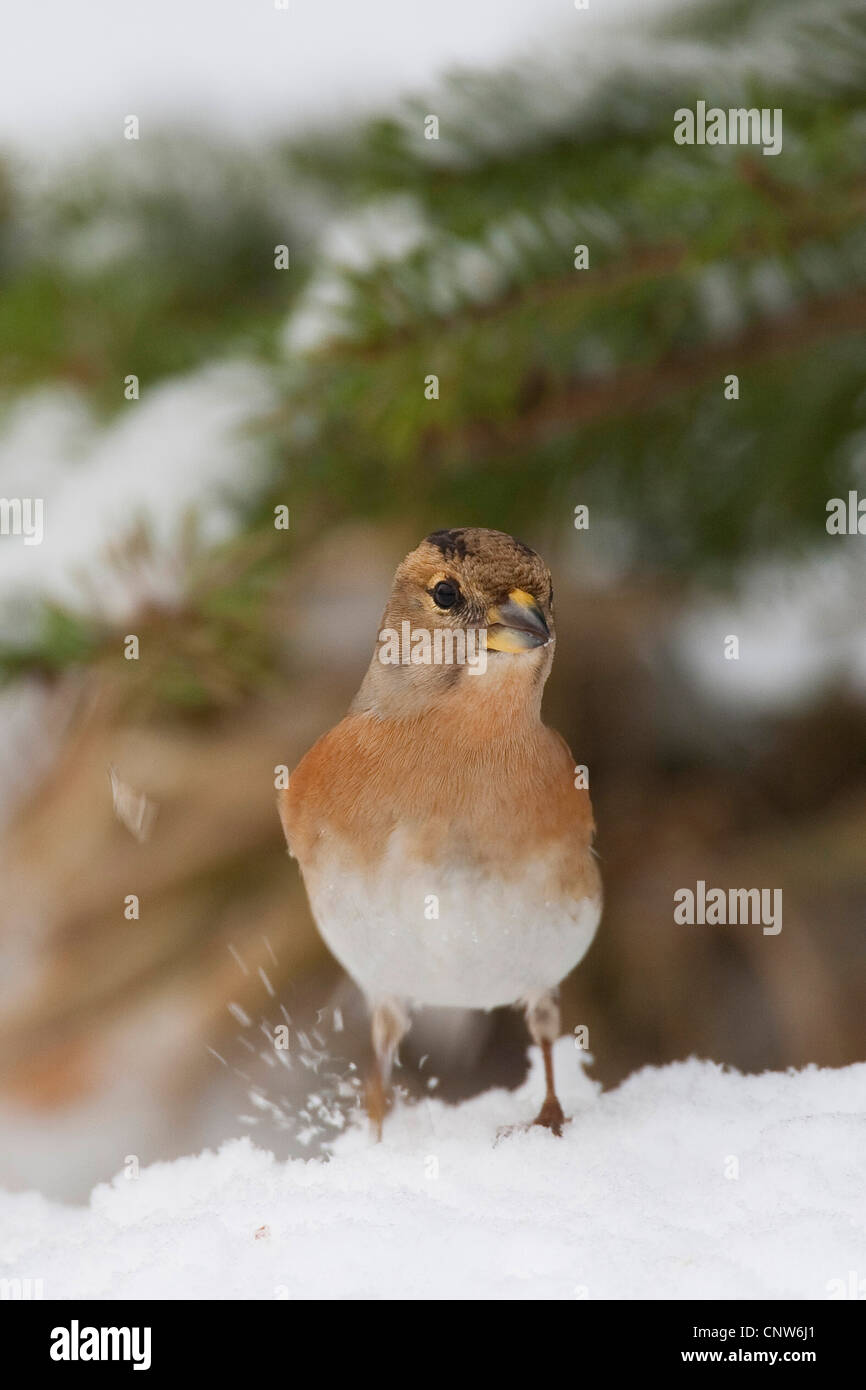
x,y
445,593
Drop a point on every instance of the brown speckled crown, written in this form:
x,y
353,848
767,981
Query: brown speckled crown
x,y
486,564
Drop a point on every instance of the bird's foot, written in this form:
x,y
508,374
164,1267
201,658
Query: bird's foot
x,y
550,1116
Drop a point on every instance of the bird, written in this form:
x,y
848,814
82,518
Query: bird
x,y
444,839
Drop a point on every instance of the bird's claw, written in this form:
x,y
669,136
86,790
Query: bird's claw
x,y
550,1116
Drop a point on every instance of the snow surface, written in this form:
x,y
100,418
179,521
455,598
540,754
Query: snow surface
x,y
633,1202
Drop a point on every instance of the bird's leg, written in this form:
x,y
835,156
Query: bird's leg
x,y
542,1020
390,1025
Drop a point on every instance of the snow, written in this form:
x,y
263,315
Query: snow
x,y
801,630
186,447
386,230
685,1181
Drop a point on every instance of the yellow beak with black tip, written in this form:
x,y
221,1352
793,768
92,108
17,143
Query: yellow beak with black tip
x,y
517,624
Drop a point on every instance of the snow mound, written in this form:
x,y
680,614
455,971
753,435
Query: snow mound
x,y
687,1181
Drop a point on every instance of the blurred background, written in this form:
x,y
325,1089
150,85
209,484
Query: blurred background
x,y
303,387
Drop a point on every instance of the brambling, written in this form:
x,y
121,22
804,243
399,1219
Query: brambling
x,y
443,838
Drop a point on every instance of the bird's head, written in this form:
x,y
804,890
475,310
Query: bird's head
x,y
469,608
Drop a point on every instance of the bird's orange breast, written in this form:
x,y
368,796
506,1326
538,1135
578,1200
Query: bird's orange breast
x,y
456,797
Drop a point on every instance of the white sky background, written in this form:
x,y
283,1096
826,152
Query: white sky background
x,y
69,73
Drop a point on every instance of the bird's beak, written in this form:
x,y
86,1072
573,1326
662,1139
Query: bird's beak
x,y
516,625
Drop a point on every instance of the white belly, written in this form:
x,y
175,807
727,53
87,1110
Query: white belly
x,y
444,937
